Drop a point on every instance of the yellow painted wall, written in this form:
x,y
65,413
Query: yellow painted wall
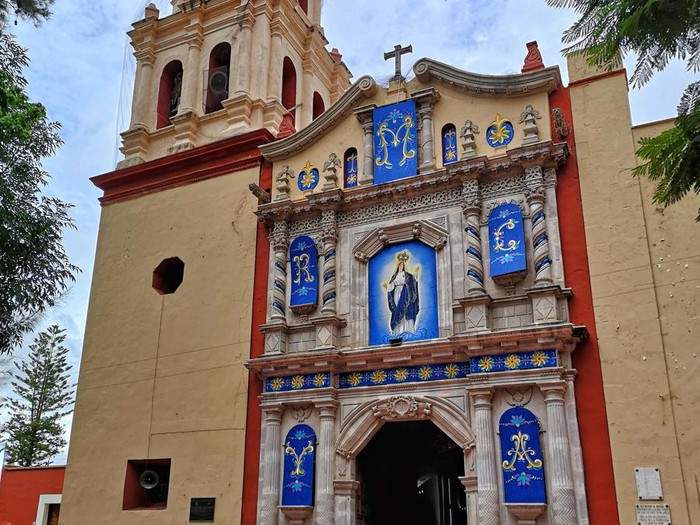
x,y
645,300
163,376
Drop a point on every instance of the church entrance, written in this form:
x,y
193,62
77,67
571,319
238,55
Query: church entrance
x,y
409,474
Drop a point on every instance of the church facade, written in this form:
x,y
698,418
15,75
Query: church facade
x,y
316,302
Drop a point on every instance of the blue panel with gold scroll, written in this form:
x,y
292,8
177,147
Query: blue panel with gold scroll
x,y
521,457
299,463
303,256
513,361
405,374
507,240
395,144
449,144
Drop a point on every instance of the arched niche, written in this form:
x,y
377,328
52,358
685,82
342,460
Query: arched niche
x,y
289,87
449,144
318,105
350,168
299,464
169,91
217,88
366,420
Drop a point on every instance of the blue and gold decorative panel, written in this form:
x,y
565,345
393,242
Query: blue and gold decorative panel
x,y
299,463
521,457
407,374
403,293
507,240
449,144
514,361
395,144
350,168
303,256
500,133
308,178
298,382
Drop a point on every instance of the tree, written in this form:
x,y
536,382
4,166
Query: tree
x,y
34,10
34,268
42,396
657,31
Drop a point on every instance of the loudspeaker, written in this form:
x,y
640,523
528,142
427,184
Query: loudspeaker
x,y
149,479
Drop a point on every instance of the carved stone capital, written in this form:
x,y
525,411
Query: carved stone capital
x,y
280,236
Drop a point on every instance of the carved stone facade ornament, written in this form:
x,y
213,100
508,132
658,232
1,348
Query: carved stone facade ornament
x,y
560,125
401,407
534,180
373,242
330,238
364,115
468,142
471,207
425,100
279,241
282,183
529,118
330,172
302,412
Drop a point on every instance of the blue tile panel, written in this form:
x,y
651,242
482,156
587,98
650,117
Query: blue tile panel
x,y
514,361
406,374
298,382
299,463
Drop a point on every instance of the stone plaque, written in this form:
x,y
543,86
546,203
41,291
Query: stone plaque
x,y
202,509
648,483
653,514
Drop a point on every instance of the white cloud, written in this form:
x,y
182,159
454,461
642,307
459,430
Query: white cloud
x,y
78,64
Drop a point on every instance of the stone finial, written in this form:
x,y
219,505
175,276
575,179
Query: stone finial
x,y
529,120
151,11
330,172
282,183
468,143
533,59
336,56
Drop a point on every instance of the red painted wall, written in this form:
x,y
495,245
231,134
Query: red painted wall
x,y
20,489
590,397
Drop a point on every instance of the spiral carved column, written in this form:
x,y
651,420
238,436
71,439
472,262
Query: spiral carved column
x,y
330,239
279,243
540,240
487,477
561,479
471,207
270,466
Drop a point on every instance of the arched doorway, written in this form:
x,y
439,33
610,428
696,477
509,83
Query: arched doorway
x,y
409,473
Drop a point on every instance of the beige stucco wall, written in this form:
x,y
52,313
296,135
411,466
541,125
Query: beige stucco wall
x,y
645,270
453,107
163,376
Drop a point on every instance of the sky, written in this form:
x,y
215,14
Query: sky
x,y
82,71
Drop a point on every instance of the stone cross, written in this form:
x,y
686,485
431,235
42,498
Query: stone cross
x,y
396,55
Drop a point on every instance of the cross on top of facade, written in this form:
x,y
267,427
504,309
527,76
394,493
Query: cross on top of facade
x,y
396,55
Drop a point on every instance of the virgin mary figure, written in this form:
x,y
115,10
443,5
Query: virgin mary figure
x,y
402,296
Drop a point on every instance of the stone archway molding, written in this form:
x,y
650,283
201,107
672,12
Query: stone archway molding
x,y
366,420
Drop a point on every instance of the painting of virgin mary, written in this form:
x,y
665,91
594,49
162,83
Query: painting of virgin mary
x,y
403,298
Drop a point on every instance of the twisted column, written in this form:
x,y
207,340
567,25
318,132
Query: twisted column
x,y
279,243
270,458
330,239
487,478
325,504
561,479
539,239
471,207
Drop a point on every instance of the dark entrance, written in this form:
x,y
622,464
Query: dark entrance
x,y
409,474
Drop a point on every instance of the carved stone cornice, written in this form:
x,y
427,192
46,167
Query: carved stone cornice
x,y
365,87
374,241
544,80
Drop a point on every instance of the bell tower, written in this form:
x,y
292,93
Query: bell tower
x,y
213,69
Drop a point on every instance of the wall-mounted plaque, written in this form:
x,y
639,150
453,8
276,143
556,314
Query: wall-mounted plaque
x,y
653,514
648,483
202,509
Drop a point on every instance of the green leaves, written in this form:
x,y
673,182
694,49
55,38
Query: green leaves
x,y
34,10
42,396
34,268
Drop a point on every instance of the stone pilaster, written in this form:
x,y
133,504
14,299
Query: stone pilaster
x,y
345,501
270,458
330,239
279,242
471,489
143,86
540,241
274,81
364,115
325,467
425,101
241,64
558,457
487,477
192,70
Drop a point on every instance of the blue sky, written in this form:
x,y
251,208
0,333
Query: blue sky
x,y
82,72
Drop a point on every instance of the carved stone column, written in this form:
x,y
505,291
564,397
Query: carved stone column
x,y
143,86
425,100
364,115
487,477
242,61
330,239
540,241
471,489
325,505
191,74
279,242
270,457
471,207
274,81
345,501
559,464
